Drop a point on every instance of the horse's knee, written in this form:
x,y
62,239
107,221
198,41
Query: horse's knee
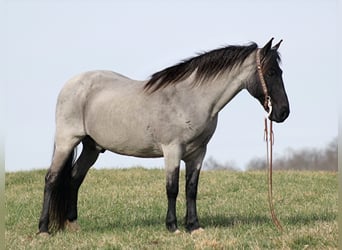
x,y
172,190
172,187
191,191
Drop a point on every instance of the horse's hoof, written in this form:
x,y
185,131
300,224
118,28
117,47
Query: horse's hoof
x,y
177,231
72,226
197,231
43,234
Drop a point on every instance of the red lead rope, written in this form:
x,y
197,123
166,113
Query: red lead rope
x,y
269,138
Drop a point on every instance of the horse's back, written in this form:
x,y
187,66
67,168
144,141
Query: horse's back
x,y
81,87
90,80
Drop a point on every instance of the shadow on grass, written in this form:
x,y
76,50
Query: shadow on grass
x,y
231,221
102,225
305,219
298,219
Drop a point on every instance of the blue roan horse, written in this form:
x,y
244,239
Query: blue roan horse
x,y
171,115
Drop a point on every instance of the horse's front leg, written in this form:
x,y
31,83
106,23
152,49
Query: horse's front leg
x,y
193,168
172,156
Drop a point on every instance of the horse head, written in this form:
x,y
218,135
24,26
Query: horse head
x,y
267,85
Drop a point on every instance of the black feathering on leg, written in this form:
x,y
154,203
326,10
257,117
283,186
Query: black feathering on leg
x,y
191,219
172,193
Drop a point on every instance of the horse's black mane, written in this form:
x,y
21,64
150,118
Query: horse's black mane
x,y
208,65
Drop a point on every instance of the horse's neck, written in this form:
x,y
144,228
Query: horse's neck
x,y
226,86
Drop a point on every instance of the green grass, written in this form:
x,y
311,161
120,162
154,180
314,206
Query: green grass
x,y
125,209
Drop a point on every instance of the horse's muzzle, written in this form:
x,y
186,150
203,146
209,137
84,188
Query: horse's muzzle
x,y
281,115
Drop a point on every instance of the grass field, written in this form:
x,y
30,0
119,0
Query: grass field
x,y
125,209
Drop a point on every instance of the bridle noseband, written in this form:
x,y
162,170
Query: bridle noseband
x,y
267,103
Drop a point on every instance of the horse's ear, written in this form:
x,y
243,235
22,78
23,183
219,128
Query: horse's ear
x,y
266,48
276,47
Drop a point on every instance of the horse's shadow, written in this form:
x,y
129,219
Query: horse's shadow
x,y
225,221
116,224
214,221
305,219
292,220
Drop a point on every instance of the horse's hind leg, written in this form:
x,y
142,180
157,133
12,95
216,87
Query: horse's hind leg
x,y
54,183
87,158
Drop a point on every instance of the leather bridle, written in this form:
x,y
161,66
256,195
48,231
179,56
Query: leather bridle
x,y
267,102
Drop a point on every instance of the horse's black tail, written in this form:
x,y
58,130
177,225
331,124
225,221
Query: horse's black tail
x,y
61,195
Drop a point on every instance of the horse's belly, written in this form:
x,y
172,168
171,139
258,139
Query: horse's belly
x,y
136,150
130,144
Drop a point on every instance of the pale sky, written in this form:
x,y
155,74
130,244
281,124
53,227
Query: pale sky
x,y
48,42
